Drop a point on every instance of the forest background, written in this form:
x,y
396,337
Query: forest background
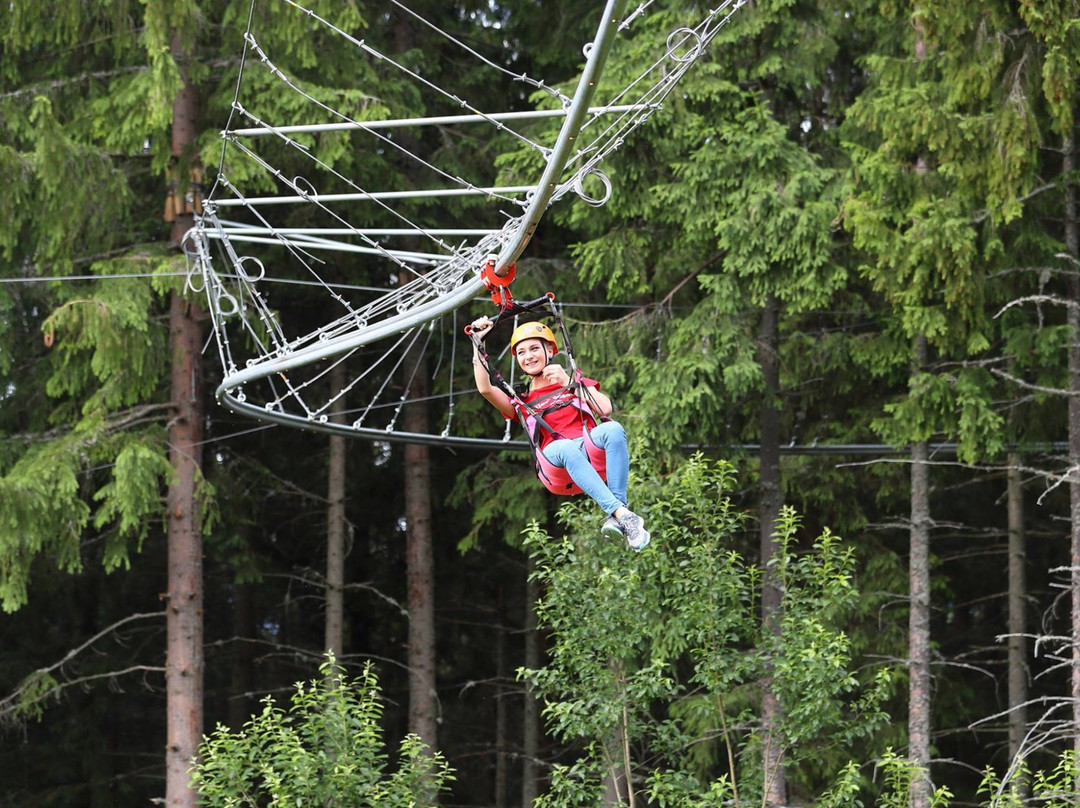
x,y
841,263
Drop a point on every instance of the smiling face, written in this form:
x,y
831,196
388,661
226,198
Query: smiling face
x,y
532,355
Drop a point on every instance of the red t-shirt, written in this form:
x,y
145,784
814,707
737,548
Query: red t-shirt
x,y
565,420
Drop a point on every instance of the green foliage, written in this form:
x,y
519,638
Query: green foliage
x,y
945,148
32,695
956,404
1054,788
726,198
666,647
1054,25
89,210
132,498
40,512
107,352
728,195
897,775
44,502
518,499
105,374
325,749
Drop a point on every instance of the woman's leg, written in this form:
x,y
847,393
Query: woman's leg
x,y
570,455
611,437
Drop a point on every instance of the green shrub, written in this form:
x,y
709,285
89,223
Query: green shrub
x,y
325,750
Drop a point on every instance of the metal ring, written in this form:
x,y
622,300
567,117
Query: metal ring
x,y
306,194
239,263
233,306
579,188
690,55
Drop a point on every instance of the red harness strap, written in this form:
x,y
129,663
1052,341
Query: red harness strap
x,y
555,478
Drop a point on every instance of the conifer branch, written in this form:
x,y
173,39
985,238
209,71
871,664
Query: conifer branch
x,y
41,683
666,301
46,87
982,215
288,485
133,417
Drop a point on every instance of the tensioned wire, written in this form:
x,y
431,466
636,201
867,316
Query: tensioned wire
x,y
319,284
360,125
597,156
351,316
436,285
614,133
413,75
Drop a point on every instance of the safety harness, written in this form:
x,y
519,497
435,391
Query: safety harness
x,y
532,415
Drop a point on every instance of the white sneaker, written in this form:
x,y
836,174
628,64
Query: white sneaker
x,y
636,534
612,528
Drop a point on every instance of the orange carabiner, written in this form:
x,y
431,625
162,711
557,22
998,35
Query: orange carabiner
x,y
498,286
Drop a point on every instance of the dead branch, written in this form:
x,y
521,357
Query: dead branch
x,y
15,703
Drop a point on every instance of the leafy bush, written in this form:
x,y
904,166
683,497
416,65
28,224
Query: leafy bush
x,y
658,658
325,750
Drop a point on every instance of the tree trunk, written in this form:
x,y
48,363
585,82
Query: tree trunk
x,y
184,660
335,523
1018,672
530,747
423,699
242,679
184,663
919,615
1072,246
501,675
771,498
618,788
919,572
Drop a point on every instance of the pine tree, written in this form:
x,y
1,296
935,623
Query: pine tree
x,y
944,145
102,108
725,203
1052,26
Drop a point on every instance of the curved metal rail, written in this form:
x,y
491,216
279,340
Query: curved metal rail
x,y
512,240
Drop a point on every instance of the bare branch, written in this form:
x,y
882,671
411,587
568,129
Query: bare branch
x,y
15,703
135,416
1057,301
1054,391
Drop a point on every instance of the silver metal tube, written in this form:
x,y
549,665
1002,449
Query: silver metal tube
x,y
323,350
517,232
340,246
433,193
434,120
355,231
575,116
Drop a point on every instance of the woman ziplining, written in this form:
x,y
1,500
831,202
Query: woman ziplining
x,y
578,448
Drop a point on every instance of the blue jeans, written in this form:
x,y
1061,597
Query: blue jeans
x,y
570,454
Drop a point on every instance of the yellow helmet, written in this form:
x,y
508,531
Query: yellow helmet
x,y
533,331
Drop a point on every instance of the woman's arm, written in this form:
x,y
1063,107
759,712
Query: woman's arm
x,y
598,402
496,397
